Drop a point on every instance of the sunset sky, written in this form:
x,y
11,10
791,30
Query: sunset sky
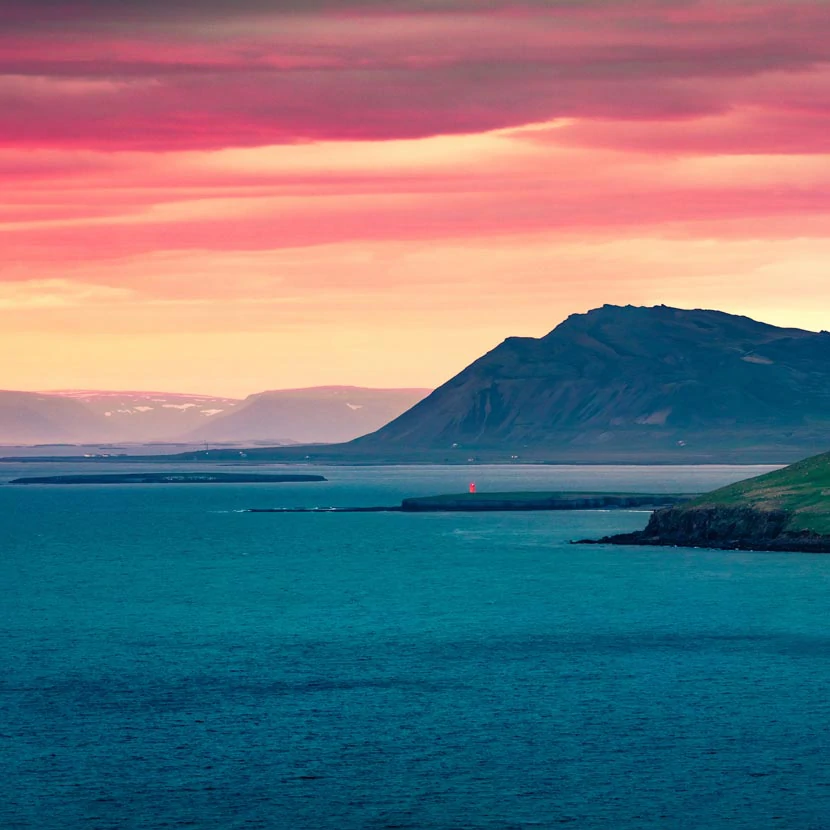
x,y
225,196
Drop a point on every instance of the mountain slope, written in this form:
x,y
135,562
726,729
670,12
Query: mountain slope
x,y
148,416
625,381
316,415
35,418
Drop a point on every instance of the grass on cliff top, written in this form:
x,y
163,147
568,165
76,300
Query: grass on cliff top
x,y
803,489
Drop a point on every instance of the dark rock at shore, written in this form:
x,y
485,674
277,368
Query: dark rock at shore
x,y
726,528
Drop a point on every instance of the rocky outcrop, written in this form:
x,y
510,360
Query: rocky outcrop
x,y
728,528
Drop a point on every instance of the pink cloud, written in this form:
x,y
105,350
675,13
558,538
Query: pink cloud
x,y
751,131
223,75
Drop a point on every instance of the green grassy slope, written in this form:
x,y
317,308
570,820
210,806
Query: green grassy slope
x,y
803,489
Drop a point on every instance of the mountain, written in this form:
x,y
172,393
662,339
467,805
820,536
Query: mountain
x,y
35,418
317,415
631,383
786,510
147,416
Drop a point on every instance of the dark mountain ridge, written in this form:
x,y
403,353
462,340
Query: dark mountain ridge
x,y
622,380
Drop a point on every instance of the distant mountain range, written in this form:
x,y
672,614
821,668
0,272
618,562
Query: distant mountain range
x,y
146,416
323,414
631,383
32,418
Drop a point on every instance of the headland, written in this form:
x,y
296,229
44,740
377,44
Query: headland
x,y
787,510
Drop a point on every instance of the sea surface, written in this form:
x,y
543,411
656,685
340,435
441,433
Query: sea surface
x,y
169,661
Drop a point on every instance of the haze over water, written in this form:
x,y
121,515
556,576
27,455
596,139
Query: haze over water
x,y
171,662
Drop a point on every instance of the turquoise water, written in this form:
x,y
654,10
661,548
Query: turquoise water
x,y
168,662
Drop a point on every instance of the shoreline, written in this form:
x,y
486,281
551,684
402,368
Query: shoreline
x,y
721,528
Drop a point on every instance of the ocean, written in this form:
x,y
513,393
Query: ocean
x,y
169,661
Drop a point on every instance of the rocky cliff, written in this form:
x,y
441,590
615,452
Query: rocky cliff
x,y
730,528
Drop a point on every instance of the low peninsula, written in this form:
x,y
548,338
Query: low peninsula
x,y
170,478
533,500
504,502
787,510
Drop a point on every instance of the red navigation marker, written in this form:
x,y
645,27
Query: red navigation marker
x,y
472,487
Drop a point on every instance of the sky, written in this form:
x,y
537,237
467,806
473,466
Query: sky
x,y
226,196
